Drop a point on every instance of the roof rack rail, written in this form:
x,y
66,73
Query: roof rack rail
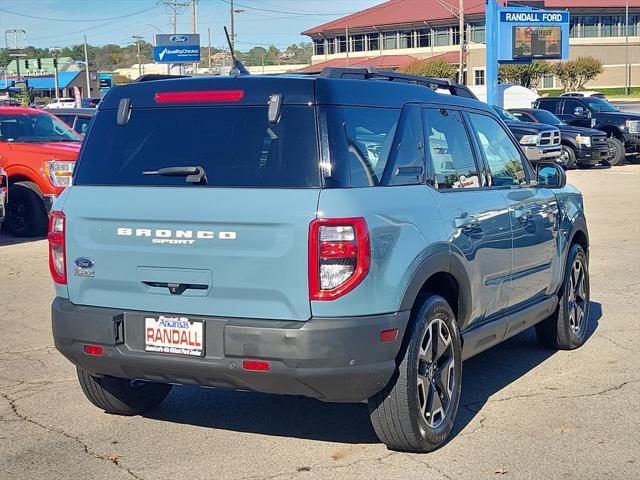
x,y
150,77
375,74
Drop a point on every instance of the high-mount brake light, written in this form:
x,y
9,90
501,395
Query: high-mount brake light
x,y
339,256
57,247
199,96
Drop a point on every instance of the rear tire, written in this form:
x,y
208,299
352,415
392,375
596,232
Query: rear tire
x,y
567,328
26,215
616,151
122,396
415,412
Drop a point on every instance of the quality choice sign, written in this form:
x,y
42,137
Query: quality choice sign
x,y
178,48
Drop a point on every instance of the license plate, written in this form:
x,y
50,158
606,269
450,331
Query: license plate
x,y
174,334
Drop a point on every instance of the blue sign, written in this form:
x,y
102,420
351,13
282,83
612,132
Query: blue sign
x,y
106,81
535,16
178,54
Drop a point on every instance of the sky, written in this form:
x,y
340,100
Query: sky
x,y
261,22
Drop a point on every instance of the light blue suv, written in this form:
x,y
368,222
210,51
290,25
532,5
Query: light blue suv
x,y
350,236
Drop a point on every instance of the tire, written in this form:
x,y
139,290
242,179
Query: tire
x,y
396,412
26,215
121,396
567,328
567,158
616,151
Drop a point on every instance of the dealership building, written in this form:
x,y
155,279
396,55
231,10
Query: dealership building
x,y
398,32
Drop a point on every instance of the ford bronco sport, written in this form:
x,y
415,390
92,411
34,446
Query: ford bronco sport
x,y
352,236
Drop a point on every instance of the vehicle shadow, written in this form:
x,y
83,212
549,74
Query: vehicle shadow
x,y
9,240
297,417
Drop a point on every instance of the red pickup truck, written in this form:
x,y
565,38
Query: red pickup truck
x,y
38,152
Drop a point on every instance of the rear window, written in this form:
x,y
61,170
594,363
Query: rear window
x,y
236,146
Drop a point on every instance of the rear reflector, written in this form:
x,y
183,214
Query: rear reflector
x,y
256,365
199,96
389,335
93,350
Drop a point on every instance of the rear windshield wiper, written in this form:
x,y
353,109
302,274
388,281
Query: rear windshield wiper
x,y
194,174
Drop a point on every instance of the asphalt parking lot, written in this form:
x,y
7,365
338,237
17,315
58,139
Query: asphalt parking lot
x,y
526,412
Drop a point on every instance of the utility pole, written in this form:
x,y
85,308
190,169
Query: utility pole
x,y
55,71
346,33
627,67
233,31
462,32
209,48
86,66
139,39
194,26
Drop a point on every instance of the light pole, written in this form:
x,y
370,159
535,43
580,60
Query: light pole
x,y
627,67
233,30
86,66
138,39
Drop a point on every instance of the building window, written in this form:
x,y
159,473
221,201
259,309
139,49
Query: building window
x,y
341,44
455,34
477,33
610,25
318,46
589,26
424,37
374,41
357,42
442,36
406,39
390,40
634,26
574,27
478,77
547,81
331,46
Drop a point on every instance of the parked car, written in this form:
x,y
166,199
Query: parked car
x,y
622,128
38,152
90,102
584,147
3,193
541,143
61,103
38,104
77,118
586,93
10,102
347,240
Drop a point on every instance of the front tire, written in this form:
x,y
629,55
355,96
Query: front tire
x,y
567,158
416,411
567,328
26,215
121,396
616,151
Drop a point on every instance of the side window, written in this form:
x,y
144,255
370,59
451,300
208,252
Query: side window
x,y
523,117
82,125
68,119
570,106
449,149
549,105
503,158
406,160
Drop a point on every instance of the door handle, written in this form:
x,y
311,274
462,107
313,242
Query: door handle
x,y
465,220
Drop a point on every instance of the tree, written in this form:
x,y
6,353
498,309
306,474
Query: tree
x,y
575,74
431,68
528,76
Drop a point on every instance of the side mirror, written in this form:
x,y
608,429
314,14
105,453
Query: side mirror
x,y
579,112
551,175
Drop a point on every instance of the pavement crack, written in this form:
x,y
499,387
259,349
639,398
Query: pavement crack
x,y
615,342
31,350
78,440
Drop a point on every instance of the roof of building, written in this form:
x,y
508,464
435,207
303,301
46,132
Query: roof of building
x,y
398,12
44,82
382,61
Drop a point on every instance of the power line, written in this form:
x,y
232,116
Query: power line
x,y
286,12
67,20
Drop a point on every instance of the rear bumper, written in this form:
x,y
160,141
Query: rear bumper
x,y
332,359
540,154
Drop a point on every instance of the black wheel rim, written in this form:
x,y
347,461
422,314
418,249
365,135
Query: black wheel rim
x,y
17,216
436,372
577,298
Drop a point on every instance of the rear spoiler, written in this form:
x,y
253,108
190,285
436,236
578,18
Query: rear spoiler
x,y
150,77
375,74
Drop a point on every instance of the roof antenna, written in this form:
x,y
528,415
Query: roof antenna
x,y
238,67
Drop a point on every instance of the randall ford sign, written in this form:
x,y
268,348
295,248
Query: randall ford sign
x,y
534,17
176,48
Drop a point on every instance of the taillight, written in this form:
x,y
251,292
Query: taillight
x,y
339,256
57,248
199,96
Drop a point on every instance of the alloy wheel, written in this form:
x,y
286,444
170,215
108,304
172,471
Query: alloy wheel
x,y
563,158
613,151
577,298
436,372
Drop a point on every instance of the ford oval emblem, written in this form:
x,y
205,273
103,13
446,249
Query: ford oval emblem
x,y
83,262
179,39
